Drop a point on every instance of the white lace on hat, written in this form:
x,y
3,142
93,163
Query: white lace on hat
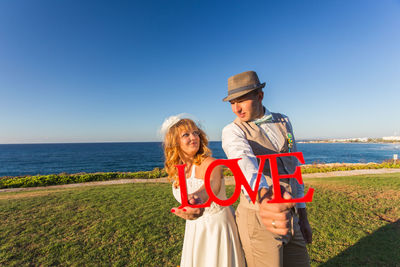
x,y
171,120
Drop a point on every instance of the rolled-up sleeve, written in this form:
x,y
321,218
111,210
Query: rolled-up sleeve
x,y
235,145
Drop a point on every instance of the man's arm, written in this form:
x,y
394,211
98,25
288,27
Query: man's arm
x,y
302,211
305,225
275,217
235,145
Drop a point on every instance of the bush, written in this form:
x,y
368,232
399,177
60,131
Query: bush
x,y
64,178
318,167
315,168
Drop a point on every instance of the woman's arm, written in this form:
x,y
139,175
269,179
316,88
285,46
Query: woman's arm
x,y
215,181
201,196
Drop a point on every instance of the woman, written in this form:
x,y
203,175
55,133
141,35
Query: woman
x,y
212,239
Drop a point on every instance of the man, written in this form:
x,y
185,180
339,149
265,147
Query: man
x,y
271,234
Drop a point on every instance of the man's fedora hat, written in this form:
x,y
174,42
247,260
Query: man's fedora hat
x,y
241,84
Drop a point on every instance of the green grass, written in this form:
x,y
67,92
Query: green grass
x,y
355,222
106,225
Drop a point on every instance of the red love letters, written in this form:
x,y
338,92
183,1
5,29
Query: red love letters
x,y
240,181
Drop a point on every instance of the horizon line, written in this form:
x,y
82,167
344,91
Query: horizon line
x,y
119,142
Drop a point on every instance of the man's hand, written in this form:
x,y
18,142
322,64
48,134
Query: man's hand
x,y
305,225
189,213
275,216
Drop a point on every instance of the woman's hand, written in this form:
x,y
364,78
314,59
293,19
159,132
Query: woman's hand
x,y
189,213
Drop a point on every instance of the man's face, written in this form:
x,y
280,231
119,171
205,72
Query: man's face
x,y
249,106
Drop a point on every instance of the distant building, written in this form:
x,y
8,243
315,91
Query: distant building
x,y
391,138
386,139
347,140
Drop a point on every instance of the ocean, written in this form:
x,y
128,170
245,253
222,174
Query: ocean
x,y
32,159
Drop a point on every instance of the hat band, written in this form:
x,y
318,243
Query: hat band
x,y
234,91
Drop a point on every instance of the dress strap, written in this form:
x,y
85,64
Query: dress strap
x,y
193,171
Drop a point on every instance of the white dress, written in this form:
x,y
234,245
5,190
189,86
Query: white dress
x,y
212,239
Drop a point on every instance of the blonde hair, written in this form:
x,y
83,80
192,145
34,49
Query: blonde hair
x,y
172,149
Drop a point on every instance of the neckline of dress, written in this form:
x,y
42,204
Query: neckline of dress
x,y
192,175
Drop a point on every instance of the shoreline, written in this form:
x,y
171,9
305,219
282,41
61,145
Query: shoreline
x,y
344,142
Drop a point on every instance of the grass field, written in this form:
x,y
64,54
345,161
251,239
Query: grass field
x,y
355,222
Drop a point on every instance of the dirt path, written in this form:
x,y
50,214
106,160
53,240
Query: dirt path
x,y
229,180
350,173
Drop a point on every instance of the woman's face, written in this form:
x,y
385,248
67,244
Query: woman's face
x,y
189,142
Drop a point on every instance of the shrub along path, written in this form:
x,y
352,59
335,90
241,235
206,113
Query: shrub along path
x,y
65,178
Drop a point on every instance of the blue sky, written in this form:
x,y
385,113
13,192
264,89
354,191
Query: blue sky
x,y
94,71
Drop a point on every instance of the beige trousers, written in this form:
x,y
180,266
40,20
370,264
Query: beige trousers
x,y
261,247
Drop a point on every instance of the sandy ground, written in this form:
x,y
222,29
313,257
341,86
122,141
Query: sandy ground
x,y
228,180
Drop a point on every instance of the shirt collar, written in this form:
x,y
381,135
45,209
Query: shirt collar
x,y
267,112
268,117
